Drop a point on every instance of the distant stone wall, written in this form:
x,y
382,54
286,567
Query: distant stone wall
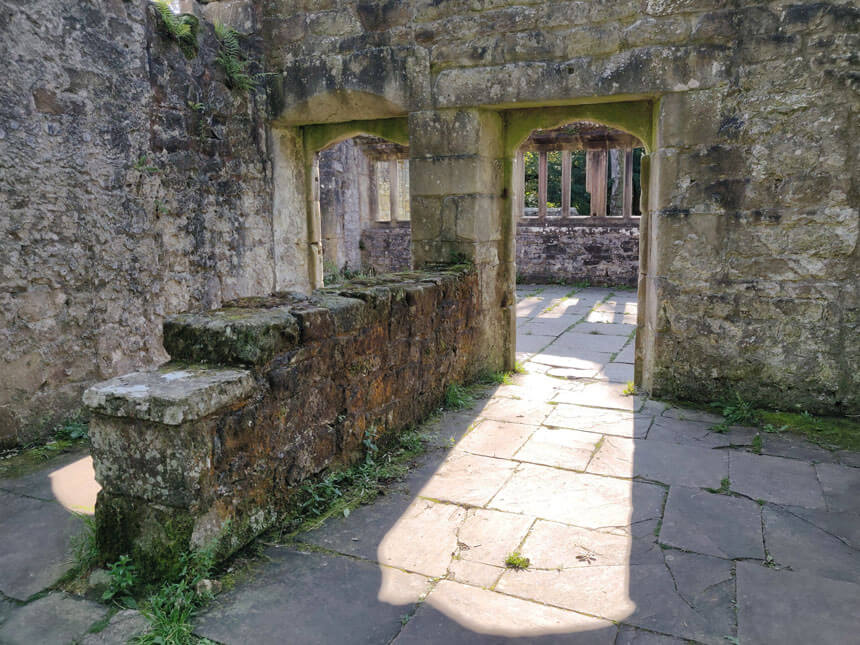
x,y
387,247
293,386
578,251
133,184
343,178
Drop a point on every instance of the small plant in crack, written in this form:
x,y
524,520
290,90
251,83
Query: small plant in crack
x,y
517,561
182,29
735,411
724,488
629,389
457,397
756,444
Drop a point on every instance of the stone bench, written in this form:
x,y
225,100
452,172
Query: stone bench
x,y
262,394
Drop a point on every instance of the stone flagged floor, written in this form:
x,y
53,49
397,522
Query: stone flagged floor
x,y
642,524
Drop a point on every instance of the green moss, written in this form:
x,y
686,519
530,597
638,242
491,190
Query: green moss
x,y
828,432
320,137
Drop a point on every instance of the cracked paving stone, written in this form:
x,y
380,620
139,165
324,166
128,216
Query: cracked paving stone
x,y
459,615
496,438
802,546
489,536
468,479
516,411
775,479
474,573
696,433
794,608
841,487
663,462
610,422
585,500
559,447
718,525
602,395
55,619
633,636
313,598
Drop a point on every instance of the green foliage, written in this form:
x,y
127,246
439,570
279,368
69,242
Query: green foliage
x,y
629,389
517,560
519,368
171,608
724,489
756,444
457,397
73,429
123,579
828,432
488,377
83,548
182,29
736,411
232,59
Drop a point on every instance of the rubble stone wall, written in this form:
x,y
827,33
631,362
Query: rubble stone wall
x,y
133,184
290,386
387,247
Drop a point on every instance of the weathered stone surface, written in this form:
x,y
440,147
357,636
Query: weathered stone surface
x,y
35,537
611,422
710,524
468,479
171,395
123,627
774,479
298,593
806,609
496,438
56,619
454,613
561,448
840,485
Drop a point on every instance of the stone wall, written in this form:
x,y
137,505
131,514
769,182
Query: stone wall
x,y
133,184
579,251
294,385
387,247
344,179
751,257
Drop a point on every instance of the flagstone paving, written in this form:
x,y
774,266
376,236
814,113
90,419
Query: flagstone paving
x,y
642,525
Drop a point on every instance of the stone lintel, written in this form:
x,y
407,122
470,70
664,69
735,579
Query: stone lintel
x,y
171,395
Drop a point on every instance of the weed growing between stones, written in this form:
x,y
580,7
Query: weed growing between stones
x,y
182,29
83,548
517,560
736,411
487,377
457,397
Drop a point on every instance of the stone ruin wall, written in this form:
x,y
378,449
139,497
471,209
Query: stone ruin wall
x,y
121,201
752,255
752,241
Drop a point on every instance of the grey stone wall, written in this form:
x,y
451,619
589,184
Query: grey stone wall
x,y
343,180
386,248
751,263
133,184
600,255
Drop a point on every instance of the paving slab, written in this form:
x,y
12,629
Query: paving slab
x,y
574,343
608,329
55,619
667,463
640,595
849,458
586,364
40,483
617,373
590,501
559,447
794,608
841,487
627,354
711,524
532,343
840,524
496,438
782,445
633,636
313,598
551,545
35,536
610,422
602,395
456,614
774,479
690,414
474,573
545,326
464,478
796,543
123,627
489,536
516,410
696,433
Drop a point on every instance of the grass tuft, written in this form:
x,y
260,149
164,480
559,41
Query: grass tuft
x,y
457,397
517,560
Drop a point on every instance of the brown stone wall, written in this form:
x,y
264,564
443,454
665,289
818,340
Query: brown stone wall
x,y
133,184
599,255
372,355
752,252
386,248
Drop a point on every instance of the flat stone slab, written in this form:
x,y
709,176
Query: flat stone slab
x,y
516,410
609,422
456,614
774,479
572,343
667,463
796,542
841,487
718,525
468,479
314,598
123,627
55,619
35,536
689,433
581,499
496,438
170,395
794,608
633,636
607,329
559,447
602,395
546,326
532,343
489,536
690,596
617,373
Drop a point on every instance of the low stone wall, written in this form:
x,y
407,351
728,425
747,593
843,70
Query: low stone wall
x,y
579,249
387,248
261,395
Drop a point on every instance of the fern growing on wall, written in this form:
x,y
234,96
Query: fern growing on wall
x,y
182,29
232,60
